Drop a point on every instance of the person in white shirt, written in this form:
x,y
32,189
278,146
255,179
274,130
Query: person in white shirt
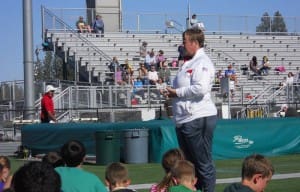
x,y
152,75
193,20
150,59
290,79
194,112
196,24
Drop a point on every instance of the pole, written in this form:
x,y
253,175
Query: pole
x,y
188,15
28,59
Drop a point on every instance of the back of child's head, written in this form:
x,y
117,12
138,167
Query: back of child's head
x,y
169,159
73,153
256,164
183,171
116,174
36,176
54,159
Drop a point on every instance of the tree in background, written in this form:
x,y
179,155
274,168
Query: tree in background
x,y
271,26
52,67
265,24
43,69
278,24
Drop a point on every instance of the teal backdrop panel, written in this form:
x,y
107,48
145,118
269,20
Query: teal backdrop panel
x,y
274,136
232,138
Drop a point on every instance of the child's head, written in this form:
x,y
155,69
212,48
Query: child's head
x,y
256,172
116,175
168,161
5,164
36,176
54,159
183,173
73,153
170,158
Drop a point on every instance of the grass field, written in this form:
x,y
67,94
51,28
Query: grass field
x,y
152,172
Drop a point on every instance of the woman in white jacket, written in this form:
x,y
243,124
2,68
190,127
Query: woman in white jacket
x,y
194,112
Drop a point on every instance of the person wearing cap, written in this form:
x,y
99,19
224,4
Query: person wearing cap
x,y
47,105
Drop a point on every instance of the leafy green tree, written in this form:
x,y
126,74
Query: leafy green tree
x,y
272,25
265,25
278,24
47,68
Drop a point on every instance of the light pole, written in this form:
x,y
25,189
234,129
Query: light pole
x,y
188,14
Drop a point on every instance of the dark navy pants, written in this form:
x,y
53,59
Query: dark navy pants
x,y
195,139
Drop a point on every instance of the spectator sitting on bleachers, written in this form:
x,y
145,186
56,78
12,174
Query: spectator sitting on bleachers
x,y
159,59
218,77
287,111
217,84
143,74
114,64
152,75
264,70
253,66
196,24
290,79
118,76
230,73
98,25
150,59
82,26
174,63
138,83
165,72
137,91
281,84
127,72
143,49
160,84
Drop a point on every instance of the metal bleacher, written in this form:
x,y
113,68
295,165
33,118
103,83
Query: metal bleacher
x,y
223,49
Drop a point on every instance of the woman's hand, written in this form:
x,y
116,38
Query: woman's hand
x,y
171,92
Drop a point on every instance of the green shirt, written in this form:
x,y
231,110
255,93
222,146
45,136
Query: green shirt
x,y
77,180
181,188
237,187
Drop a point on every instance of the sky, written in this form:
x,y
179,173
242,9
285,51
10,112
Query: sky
x,y
11,12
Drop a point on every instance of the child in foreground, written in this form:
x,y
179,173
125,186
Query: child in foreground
x,y
257,171
116,178
168,161
183,174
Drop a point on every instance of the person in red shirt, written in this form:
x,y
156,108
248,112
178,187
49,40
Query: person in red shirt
x,y
47,105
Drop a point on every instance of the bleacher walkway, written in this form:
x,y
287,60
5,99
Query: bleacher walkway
x,y
227,180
